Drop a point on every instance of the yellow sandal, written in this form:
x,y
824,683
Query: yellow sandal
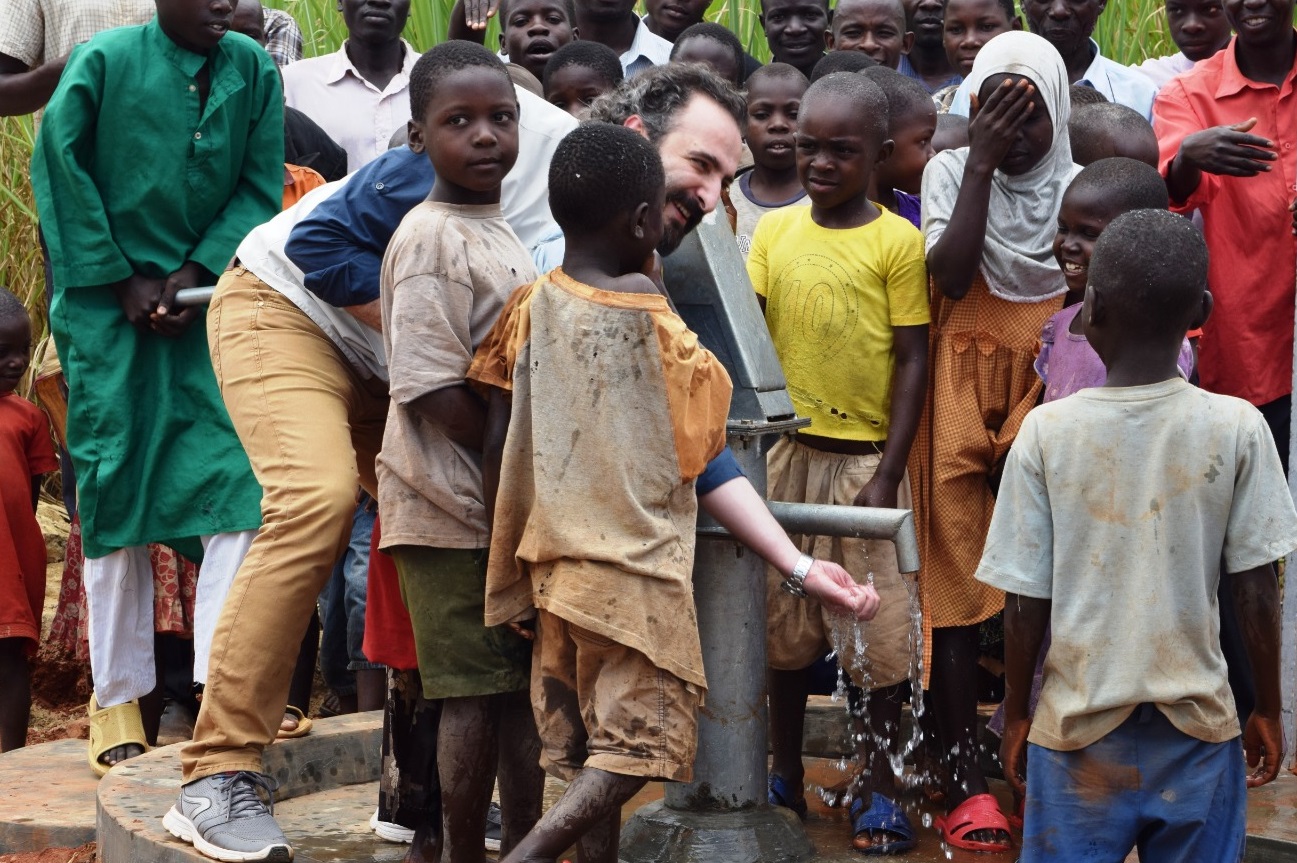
x,y
303,725
110,727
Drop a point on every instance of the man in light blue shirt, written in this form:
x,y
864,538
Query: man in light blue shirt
x,y
1069,27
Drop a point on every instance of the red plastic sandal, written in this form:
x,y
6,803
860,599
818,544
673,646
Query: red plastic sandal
x,y
979,812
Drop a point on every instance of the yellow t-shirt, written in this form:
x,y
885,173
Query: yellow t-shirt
x,y
832,299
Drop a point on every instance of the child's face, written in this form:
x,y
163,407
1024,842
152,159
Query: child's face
x,y
700,49
1199,28
970,24
671,17
374,21
771,126
876,28
532,31
912,136
15,352
195,25
795,30
574,87
835,156
1035,136
470,131
1082,216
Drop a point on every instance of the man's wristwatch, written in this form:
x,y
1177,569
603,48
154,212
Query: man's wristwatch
x,y
795,584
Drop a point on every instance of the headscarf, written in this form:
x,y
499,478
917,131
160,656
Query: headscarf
x,y
1018,256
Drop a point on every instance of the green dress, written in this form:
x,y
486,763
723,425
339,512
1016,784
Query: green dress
x,y
133,175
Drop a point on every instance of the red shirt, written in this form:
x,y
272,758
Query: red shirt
x,y
1247,345
26,450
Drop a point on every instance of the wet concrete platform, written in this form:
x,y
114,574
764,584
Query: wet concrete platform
x,y
48,798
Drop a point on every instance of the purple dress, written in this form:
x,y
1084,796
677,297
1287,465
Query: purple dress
x,y
1067,363
909,207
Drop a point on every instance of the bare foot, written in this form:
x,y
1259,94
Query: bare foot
x,y
289,722
874,838
118,754
426,846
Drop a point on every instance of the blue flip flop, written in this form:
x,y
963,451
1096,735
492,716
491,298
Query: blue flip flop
x,y
882,816
779,793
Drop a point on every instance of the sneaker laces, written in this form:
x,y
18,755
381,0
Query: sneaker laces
x,y
242,797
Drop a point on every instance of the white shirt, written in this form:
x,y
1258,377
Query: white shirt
x,y
1160,70
355,113
646,49
1118,83
1122,506
524,198
262,252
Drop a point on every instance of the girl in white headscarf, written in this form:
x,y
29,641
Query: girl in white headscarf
x,y
989,216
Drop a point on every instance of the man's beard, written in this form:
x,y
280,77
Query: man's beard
x,y
672,234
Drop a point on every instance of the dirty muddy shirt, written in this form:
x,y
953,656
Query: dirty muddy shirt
x,y
1119,505
446,275
616,410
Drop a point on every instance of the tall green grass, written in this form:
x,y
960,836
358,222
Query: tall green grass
x,y
1129,31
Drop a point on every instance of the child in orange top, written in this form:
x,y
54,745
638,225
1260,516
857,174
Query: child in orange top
x,y
25,451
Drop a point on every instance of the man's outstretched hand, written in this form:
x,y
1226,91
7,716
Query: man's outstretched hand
x,y
835,589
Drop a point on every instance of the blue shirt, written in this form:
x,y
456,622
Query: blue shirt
x,y
907,70
339,247
719,471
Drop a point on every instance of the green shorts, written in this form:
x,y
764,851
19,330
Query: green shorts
x,y
459,657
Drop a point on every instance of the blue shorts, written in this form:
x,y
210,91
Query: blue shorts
x,y
1145,785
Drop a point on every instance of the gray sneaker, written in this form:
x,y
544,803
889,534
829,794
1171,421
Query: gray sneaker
x,y
224,817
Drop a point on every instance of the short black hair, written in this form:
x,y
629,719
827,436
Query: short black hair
x,y
1006,6
12,308
715,32
599,171
841,61
951,126
589,54
904,95
1083,94
1094,128
1151,267
656,94
442,60
569,8
869,103
1125,184
762,5
775,72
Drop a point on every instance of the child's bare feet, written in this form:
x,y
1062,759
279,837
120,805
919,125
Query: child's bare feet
x,y
426,845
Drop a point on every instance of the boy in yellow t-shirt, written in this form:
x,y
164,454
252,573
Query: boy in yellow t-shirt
x,y
844,288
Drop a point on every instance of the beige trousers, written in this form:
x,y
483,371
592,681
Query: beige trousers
x,y
312,427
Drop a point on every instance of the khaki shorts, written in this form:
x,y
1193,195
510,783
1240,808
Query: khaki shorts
x,y
800,631
601,704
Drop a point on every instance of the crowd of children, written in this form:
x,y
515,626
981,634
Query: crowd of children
x,y
993,286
